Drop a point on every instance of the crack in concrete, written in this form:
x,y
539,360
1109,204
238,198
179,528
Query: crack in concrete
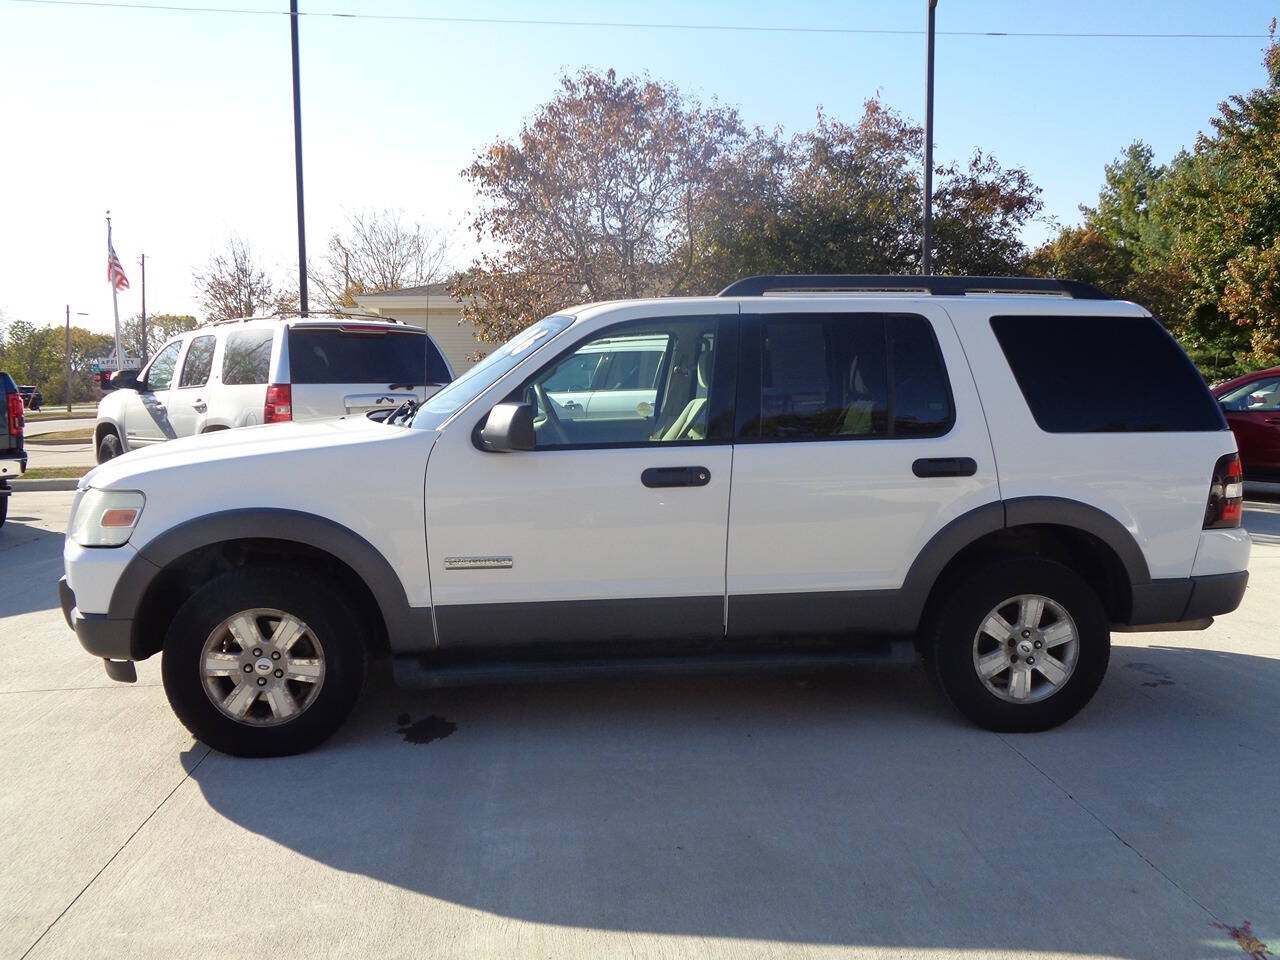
x,y
1111,830
111,859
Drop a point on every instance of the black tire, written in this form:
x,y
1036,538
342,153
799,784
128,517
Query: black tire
x,y
4,504
312,599
108,447
961,612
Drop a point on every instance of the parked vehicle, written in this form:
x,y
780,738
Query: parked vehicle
x,y
31,396
944,463
267,370
1252,406
13,459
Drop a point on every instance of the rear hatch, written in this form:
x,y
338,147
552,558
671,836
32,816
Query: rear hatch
x,y
341,369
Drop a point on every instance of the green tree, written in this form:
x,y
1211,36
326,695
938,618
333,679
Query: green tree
x,y
160,327
596,198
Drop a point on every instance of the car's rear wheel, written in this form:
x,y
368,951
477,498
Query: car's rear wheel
x,y
1019,645
108,447
262,661
4,502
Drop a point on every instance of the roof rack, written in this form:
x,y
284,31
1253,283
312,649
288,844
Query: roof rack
x,y
935,285
293,314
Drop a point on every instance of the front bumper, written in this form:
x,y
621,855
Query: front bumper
x,y
111,640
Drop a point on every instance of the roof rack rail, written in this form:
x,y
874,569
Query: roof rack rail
x,y
294,314
937,286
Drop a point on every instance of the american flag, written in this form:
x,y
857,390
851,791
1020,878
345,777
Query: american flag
x,y
115,272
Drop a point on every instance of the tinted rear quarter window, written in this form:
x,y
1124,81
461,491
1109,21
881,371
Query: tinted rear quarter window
x,y
349,356
246,359
1105,375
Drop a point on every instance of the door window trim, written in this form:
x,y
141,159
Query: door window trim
x,y
720,414
751,348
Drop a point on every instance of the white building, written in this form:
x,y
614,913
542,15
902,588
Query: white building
x,y
432,308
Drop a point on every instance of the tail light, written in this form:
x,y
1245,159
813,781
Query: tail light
x,y
15,414
279,406
1226,494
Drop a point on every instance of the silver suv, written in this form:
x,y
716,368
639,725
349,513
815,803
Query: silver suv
x,y
265,370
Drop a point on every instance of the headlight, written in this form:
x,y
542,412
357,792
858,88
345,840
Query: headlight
x,y
106,518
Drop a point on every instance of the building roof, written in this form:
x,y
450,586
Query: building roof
x,y
425,290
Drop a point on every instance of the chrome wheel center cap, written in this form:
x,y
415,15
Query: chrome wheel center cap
x,y
263,665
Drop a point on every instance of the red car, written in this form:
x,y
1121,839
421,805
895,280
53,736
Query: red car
x,y
1252,406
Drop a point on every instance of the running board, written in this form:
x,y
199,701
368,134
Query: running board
x,y
418,671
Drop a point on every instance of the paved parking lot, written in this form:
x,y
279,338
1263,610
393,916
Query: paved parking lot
x,y
823,816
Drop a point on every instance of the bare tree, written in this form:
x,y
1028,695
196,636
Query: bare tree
x,y
232,284
379,251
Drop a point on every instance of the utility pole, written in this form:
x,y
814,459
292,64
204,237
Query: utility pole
x,y
926,260
67,358
297,161
144,310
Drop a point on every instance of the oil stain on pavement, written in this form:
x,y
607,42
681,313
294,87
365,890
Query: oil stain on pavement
x,y
425,730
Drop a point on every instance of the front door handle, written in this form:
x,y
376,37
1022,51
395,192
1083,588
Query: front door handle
x,y
945,467
676,477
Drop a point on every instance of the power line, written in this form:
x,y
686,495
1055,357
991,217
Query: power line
x,y
637,25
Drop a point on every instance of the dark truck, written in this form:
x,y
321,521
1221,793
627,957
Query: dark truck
x,y
13,459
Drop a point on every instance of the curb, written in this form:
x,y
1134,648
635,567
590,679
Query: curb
x,y
53,483
62,442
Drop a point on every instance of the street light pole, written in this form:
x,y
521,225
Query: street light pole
x,y
926,260
144,310
66,356
297,160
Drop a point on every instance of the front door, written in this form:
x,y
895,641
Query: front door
x,y
146,418
613,528
854,448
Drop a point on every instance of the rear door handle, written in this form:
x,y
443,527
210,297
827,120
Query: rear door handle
x,y
676,477
945,467
199,406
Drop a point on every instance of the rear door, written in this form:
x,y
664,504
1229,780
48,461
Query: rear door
x,y
859,437
350,368
188,402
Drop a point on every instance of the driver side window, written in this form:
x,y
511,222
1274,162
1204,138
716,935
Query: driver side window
x,y
635,384
160,374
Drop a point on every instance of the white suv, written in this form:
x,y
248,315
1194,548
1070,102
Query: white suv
x,y
263,370
815,471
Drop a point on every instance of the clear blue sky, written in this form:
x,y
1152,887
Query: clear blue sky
x,y
181,122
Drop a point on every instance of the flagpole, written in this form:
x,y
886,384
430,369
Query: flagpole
x,y
115,302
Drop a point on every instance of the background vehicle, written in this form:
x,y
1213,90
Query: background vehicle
x,y
31,396
267,370
1252,406
942,462
13,459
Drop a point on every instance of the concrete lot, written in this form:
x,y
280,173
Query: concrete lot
x,y
834,816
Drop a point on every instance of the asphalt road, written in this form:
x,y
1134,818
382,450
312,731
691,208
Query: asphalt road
x,y
830,816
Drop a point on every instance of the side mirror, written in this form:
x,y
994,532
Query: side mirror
x,y
509,427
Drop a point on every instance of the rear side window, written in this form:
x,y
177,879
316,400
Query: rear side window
x,y
850,376
354,356
198,364
1105,375
246,359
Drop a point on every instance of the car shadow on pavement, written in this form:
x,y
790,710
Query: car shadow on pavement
x,y
41,560
852,809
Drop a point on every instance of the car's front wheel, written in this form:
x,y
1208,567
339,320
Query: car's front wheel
x,y
1019,645
262,661
108,447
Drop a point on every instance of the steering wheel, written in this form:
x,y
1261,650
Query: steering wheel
x,y
551,419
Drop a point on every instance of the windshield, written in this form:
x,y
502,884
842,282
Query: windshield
x,y
484,374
